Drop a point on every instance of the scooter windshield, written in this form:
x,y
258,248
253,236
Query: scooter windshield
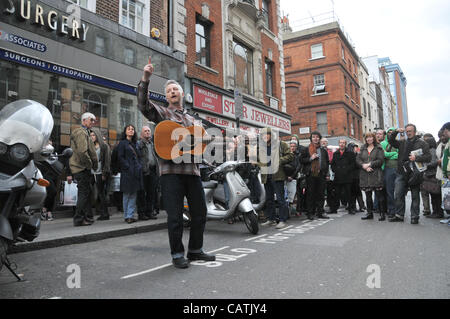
x,y
27,122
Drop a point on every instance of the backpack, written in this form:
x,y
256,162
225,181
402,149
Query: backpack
x,y
289,168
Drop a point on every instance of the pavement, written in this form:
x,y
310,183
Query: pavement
x,y
60,231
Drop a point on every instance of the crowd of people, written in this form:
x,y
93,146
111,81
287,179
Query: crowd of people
x,y
385,167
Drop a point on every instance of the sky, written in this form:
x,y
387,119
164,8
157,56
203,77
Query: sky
x,y
415,34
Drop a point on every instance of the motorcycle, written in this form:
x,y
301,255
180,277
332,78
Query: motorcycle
x,y
25,128
238,204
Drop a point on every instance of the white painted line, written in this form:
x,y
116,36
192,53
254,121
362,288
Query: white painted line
x,y
163,266
55,298
281,229
253,238
146,271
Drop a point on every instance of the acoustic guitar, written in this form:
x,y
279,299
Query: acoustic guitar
x,y
173,140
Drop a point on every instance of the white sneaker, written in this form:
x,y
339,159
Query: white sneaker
x,y
269,223
281,225
445,221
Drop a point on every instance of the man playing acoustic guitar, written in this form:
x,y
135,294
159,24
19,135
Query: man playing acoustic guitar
x,y
177,180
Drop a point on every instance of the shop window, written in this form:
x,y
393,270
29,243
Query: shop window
x,y
243,68
269,78
126,115
202,42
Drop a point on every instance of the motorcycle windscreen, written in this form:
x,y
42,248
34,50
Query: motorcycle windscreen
x,y
27,122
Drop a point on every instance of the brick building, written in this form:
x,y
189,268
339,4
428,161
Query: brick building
x,y
86,55
322,84
232,45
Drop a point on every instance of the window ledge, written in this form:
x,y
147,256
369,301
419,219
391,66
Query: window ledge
x,y
318,58
319,94
206,68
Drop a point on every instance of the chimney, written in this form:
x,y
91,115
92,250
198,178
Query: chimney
x,y
285,27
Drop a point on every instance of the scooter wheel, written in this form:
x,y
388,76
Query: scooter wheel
x,y
251,221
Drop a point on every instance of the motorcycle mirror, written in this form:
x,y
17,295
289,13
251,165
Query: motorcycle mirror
x,y
67,153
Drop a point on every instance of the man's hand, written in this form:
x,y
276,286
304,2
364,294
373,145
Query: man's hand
x,y
400,130
314,156
148,71
69,179
412,157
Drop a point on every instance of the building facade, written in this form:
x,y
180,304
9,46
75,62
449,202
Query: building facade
x,y
368,100
86,56
322,83
397,85
234,45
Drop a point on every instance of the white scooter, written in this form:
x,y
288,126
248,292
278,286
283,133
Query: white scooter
x,y
239,197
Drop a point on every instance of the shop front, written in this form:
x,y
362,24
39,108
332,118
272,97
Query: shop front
x,y
218,107
91,66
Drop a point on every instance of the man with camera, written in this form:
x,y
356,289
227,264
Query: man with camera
x,y
411,151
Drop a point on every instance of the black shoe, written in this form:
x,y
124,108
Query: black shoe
x,y
436,216
425,213
414,221
83,223
90,220
310,216
323,216
143,217
103,217
351,212
367,216
201,256
130,220
152,216
332,212
180,262
382,217
395,219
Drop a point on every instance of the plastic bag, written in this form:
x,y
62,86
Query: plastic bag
x,y
446,194
70,194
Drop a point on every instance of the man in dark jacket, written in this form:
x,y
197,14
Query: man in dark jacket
x,y
316,162
148,196
343,164
405,158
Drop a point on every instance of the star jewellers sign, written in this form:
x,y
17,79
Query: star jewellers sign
x,y
64,24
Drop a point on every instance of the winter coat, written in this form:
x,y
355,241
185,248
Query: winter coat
x,y
440,156
279,156
343,166
105,159
306,162
418,143
84,155
131,179
373,179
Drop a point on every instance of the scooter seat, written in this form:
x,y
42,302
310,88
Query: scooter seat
x,y
210,184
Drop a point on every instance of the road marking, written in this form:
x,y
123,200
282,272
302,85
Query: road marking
x,y
164,266
253,238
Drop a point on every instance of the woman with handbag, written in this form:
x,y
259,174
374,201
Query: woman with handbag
x,y
431,186
371,160
131,178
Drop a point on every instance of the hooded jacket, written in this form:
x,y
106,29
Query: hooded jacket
x,y
390,152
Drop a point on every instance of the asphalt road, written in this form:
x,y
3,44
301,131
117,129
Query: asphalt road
x,y
343,257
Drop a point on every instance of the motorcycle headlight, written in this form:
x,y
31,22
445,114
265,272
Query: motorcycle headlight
x,y
19,152
3,148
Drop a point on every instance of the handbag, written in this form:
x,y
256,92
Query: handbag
x,y
415,177
431,185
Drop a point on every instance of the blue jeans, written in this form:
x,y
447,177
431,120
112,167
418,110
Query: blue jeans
x,y
272,188
390,175
401,189
129,204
